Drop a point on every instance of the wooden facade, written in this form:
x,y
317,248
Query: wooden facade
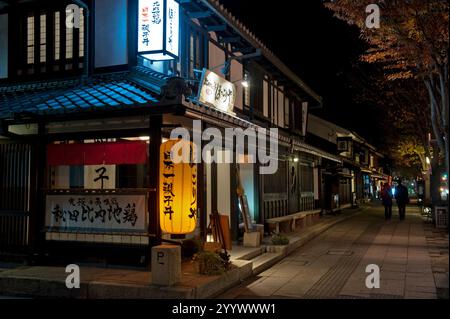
x,y
113,94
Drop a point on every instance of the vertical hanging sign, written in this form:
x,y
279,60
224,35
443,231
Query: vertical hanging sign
x,y
158,29
172,27
177,188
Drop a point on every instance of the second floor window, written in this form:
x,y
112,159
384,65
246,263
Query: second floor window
x,y
43,38
247,92
69,43
65,45
57,35
30,40
81,35
195,52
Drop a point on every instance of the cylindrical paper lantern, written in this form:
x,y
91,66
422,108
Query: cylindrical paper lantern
x,y
177,188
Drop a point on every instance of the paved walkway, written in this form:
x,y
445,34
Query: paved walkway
x,y
333,264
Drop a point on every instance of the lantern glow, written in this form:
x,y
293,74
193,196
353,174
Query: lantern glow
x,y
158,29
178,190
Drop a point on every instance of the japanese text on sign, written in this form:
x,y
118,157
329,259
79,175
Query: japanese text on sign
x,y
115,212
217,91
178,192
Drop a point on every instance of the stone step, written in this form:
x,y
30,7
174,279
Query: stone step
x,y
252,254
265,261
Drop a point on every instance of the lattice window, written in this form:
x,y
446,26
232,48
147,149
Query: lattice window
x,y
43,39
57,35
30,40
81,36
69,43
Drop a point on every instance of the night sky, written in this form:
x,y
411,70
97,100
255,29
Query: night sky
x,y
321,49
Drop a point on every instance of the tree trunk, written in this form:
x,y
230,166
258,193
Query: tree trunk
x,y
438,93
435,181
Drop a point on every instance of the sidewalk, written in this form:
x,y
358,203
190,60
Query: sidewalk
x,y
437,241
111,283
333,265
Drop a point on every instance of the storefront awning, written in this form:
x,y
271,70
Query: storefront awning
x,y
366,171
216,116
114,153
303,147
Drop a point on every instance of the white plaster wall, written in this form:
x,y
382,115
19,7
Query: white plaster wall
x,y
216,57
237,75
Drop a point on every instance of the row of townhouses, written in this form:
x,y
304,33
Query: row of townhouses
x,y
91,91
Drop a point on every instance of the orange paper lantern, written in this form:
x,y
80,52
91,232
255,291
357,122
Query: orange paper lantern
x,y
177,188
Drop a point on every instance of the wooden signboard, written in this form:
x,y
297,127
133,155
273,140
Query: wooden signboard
x,y
220,229
246,213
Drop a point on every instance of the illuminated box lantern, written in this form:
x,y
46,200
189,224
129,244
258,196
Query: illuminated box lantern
x,y
217,92
158,29
178,187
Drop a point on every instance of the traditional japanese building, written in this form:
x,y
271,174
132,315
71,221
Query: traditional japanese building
x,y
359,176
88,92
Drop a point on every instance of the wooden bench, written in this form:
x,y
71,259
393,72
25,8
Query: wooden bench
x,y
306,218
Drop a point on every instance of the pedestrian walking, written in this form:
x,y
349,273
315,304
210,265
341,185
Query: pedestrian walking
x,y
402,198
386,198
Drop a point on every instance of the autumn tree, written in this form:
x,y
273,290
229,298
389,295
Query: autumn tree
x,y
410,44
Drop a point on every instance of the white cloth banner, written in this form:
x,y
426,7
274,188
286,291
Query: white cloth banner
x,y
100,176
106,213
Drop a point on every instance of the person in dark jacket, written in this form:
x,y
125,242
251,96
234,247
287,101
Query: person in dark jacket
x,y
401,196
386,198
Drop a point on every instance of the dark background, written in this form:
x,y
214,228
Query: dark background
x,y
322,50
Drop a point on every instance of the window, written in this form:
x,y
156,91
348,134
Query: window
x,y
246,86
274,98
276,183
297,115
30,40
69,43
265,98
196,55
287,105
280,105
57,35
306,178
277,103
48,42
43,39
191,55
81,35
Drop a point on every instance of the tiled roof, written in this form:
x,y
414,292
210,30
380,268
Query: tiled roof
x,y
68,96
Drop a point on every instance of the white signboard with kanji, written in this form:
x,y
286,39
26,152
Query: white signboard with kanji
x,y
151,26
158,29
104,213
217,92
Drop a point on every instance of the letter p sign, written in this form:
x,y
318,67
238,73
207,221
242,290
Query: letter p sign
x,y
373,280
160,257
